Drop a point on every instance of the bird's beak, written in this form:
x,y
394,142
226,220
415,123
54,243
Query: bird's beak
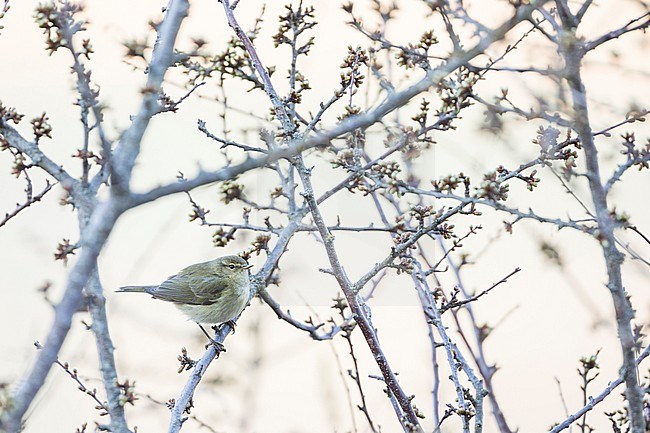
x,y
248,266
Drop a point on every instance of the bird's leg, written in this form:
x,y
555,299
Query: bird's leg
x,y
220,347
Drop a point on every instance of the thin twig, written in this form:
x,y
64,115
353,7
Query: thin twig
x,y
593,401
31,199
226,143
82,386
456,304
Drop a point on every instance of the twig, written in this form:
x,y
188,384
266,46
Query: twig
x,y
456,304
622,168
632,119
348,394
404,246
453,358
82,387
38,157
356,307
31,199
456,243
226,143
638,232
278,107
363,407
593,401
306,228
87,101
177,417
610,36
172,106
559,389
311,329
202,424
486,370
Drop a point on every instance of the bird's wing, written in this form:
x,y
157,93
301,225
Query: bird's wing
x,y
188,288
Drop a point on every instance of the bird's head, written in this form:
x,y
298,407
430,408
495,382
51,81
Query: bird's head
x,y
233,265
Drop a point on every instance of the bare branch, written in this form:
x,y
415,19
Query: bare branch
x,y
15,140
454,358
456,304
97,307
311,329
360,121
643,20
573,56
172,106
31,199
99,224
74,375
93,239
350,291
225,143
128,148
593,401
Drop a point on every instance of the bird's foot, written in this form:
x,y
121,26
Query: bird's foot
x,y
231,323
217,345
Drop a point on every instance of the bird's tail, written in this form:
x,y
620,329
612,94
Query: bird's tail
x,y
136,289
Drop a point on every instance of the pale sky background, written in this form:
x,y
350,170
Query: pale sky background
x,y
278,379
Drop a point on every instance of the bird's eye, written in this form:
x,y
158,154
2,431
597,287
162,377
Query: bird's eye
x,y
231,266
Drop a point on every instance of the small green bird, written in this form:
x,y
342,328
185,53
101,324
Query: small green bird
x,y
209,292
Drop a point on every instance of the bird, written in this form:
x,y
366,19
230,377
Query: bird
x,y
210,292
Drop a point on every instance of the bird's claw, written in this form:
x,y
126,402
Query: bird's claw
x,y
218,346
231,323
